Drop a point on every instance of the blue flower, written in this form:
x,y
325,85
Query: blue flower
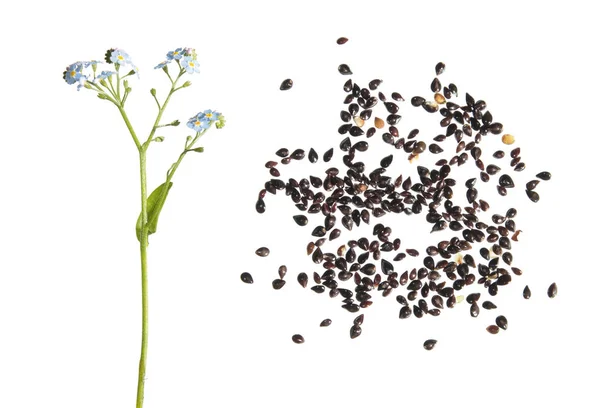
x,y
105,74
73,73
199,122
190,65
177,54
211,115
162,64
120,57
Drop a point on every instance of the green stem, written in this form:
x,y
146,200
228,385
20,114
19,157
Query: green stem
x,y
143,252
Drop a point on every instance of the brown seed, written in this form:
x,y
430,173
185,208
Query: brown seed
x,y
246,278
278,284
355,331
533,196
262,251
439,98
344,69
474,309
532,184
303,279
298,339
488,305
508,139
342,40
552,290
325,323
379,123
502,322
282,271
493,329
526,292
440,68
286,84
429,344
544,175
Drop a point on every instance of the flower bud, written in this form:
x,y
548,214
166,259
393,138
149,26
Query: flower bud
x,y
186,84
158,139
175,123
102,96
153,92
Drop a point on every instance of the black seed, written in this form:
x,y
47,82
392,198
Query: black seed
x,y
359,320
262,251
282,271
303,279
297,154
355,331
533,196
325,323
328,155
318,288
526,292
436,86
260,206
246,278
283,152
544,175
374,84
278,284
298,339
502,322
405,312
417,101
473,297
519,167
439,68
319,231
342,40
286,84
493,329
386,161
506,181
301,220
356,131
552,290
532,184
397,97
501,190
474,309
344,69
488,305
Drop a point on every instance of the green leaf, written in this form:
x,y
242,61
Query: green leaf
x,y
156,201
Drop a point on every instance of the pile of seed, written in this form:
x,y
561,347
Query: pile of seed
x,y
477,259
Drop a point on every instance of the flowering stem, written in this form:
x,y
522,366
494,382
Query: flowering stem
x,y
144,263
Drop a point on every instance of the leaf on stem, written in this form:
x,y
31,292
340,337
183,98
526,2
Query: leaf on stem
x,y
156,201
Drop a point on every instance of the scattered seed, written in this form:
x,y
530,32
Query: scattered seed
x,y
502,322
286,84
429,344
262,251
526,292
325,323
344,69
278,284
246,277
552,290
298,339
508,139
342,40
544,175
493,329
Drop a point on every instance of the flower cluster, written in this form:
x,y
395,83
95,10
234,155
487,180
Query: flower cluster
x,y
203,120
185,57
79,72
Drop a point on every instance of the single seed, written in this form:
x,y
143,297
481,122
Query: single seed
x,y
493,329
526,292
325,323
286,84
533,196
439,68
474,309
379,123
303,279
439,98
488,305
262,251
374,84
436,85
278,284
301,220
246,278
429,344
532,184
552,290
355,331
298,339
344,69
544,175
508,139
502,322
342,40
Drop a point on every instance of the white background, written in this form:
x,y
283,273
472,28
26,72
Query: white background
x,y
69,263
